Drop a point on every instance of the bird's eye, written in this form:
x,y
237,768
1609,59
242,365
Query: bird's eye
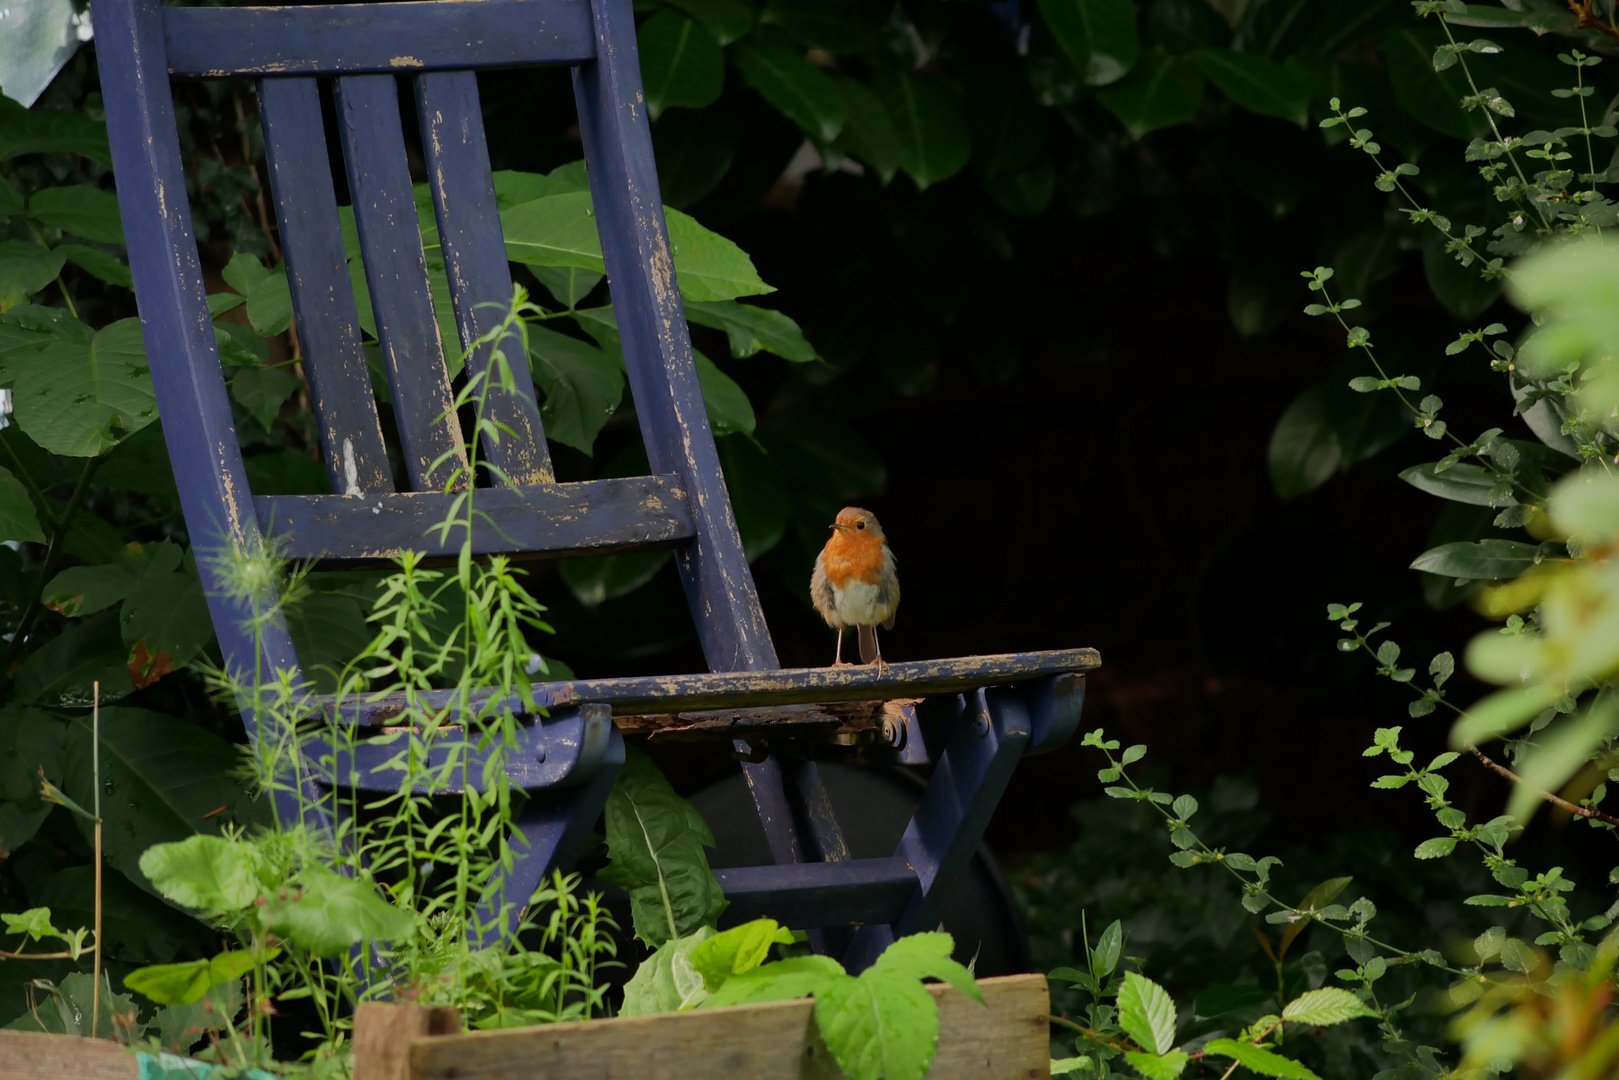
x,y
860,524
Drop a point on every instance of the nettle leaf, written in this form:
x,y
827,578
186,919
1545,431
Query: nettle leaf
x,y
883,1025
1161,91
18,521
668,981
734,952
1147,1013
329,913
927,956
1258,1059
784,980
80,398
26,268
681,63
582,386
1256,83
205,873
1156,1066
804,93
1325,1007
82,210
752,329
1487,560
263,390
930,127
655,842
1098,36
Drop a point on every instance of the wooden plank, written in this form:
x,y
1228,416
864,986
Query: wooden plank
x,y
32,1055
787,686
396,272
1005,1038
593,517
475,261
811,895
324,39
383,1034
841,717
322,295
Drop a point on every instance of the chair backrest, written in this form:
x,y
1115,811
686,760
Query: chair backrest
x,y
362,48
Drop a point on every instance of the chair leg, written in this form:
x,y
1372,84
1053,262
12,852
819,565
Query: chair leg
x,y
988,734
550,832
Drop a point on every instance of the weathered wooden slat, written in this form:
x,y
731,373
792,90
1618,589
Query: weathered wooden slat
x,y
34,1055
808,895
383,1034
322,295
475,261
1006,1038
325,39
842,717
593,517
786,686
396,272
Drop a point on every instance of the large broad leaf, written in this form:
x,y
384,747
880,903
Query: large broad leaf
x,y
26,268
11,198
681,63
752,329
262,391
1463,483
65,671
98,263
1256,83
327,629
85,590
837,26
1462,289
880,1026
38,131
269,303
81,210
933,136
136,926
794,977
581,385
1303,448
1433,97
27,329
1161,91
1488,560
803,92
79,398
728,407
667,981
758,494
655,841
167,616
595,581
330,913
734,952
31,744
569,284
709,266
162,780
1098,36
727,20
18,521
927,956
868,132
1147,1013
69,1009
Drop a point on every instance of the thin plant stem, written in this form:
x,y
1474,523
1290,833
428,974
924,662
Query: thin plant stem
x,y
95,767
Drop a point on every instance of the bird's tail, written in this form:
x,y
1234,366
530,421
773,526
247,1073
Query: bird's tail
x,y
868,644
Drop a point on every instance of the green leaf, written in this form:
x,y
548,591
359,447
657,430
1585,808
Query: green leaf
x,y
708,266
68,1009
11,198
328,913
244,270
594,581
1314,900
82,210
655,842
18,521
327,630
206,873
837,26
80,398
681,63
728,406
1223,1000
569,284
880,1026
65,670
784,980
727,20
1304,451
1262,1061
269,303
1433,98
1160,92
1585,507
168,614
1105,957
1156,1066
1489,560
1463,483
1325,1007
136,926
668,981
1256,83
737,950
263,390
98,264
753,328
41,131
1098,36
162,780
868,132
182,984
26,268
85,590
1436,848
1560,755
35,922
932,135
582,386
927,956
804,93
557,230
758,494
1147,1013
26,329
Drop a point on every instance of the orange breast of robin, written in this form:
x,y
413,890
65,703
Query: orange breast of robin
x,y
853,558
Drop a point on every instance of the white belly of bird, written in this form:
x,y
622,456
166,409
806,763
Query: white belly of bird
x,y
858,604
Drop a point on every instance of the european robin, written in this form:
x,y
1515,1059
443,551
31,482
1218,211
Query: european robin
x,y
854,583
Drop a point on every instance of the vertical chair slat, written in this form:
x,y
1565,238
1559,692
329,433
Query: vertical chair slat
x,y
475,260
396,271
322,296
186,375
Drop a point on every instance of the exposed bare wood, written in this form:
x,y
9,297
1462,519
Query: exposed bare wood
x,y
383,1035
839,717
30,1055
1005,1038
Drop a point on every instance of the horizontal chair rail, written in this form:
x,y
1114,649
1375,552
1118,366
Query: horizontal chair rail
x,y
350,39
810,895
787,686
593,517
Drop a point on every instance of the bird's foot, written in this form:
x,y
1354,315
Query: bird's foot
x,y
841,662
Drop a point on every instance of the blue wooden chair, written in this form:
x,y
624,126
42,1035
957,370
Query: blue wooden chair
x,y
971,718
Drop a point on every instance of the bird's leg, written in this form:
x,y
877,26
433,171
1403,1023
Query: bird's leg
x,y
837,661
877,643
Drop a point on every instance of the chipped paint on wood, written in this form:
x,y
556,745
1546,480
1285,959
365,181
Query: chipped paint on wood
x,y
404,62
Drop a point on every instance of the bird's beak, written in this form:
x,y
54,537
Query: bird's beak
x,y
835,525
